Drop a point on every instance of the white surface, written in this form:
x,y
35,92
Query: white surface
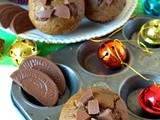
x,y
7,111
86,30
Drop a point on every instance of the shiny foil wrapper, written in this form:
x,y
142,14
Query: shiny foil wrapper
x,y
21,49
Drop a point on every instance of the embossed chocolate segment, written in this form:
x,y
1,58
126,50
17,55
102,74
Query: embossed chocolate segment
x,y
81,114
43,15
109,1
44,1
17,26
93,107
105,114
48,67
37,84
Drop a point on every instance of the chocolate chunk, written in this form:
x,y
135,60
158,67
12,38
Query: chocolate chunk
x,y
62,11
93,107
17,26
44,2
7,14
1,45
68,1
48,67
109,2
81,114
37,84
45,14
105,115
88,95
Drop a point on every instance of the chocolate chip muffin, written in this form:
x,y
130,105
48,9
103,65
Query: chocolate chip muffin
x,y
103,10
56,16
95,104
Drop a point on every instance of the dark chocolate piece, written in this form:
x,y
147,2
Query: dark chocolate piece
x,y
48,67
105,115
1,45
7,14
45,14
88,95
93,107
2,6
37,84
68,1
81,114
62,11
108,2
21,23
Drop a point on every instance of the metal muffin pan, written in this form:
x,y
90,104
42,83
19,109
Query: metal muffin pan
x,y
82,69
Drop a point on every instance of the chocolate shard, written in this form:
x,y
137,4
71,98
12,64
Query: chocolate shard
x,y
93,107
68,1
48,67
109,2
43,2
81,114
88,95
62,11
45,14
17,26
37,84
105,115
7,14
1,45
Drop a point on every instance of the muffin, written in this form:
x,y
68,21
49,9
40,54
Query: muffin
x,y
95,104
24,2
103,10
56,16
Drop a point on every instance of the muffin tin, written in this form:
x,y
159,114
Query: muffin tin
x,y
82,69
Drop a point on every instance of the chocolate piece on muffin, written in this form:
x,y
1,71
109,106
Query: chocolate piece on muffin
x,y
56,16
7,14
21,23
38,85
103,10
103,104
48,67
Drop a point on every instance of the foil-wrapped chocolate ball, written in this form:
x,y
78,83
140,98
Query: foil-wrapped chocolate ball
x,y
149,99
22,49
112,54
150,32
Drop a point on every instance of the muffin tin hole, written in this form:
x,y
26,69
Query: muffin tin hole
x,y
72,82
131,29
88,59
129,92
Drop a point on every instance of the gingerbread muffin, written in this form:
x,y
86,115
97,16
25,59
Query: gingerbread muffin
x,y
56,16
95,104
103,10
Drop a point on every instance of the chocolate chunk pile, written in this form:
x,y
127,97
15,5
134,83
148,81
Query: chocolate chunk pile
x,y
15,18
88,108
41,78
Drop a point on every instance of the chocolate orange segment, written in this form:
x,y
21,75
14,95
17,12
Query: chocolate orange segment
x,y
37,84
48,67
7,14
21,23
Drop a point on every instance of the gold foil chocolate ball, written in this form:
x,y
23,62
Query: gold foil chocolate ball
x,y
22,49
150,32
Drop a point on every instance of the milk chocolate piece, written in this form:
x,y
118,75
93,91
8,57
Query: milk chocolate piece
x,y
37,84
105,115
21,23
45,14
93,107
7,14
62,11
81,114
1,45
68,1
44,2
109,2
88,95
48,67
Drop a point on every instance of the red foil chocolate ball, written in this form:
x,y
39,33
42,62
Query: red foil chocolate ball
x,y
112,53
149,99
